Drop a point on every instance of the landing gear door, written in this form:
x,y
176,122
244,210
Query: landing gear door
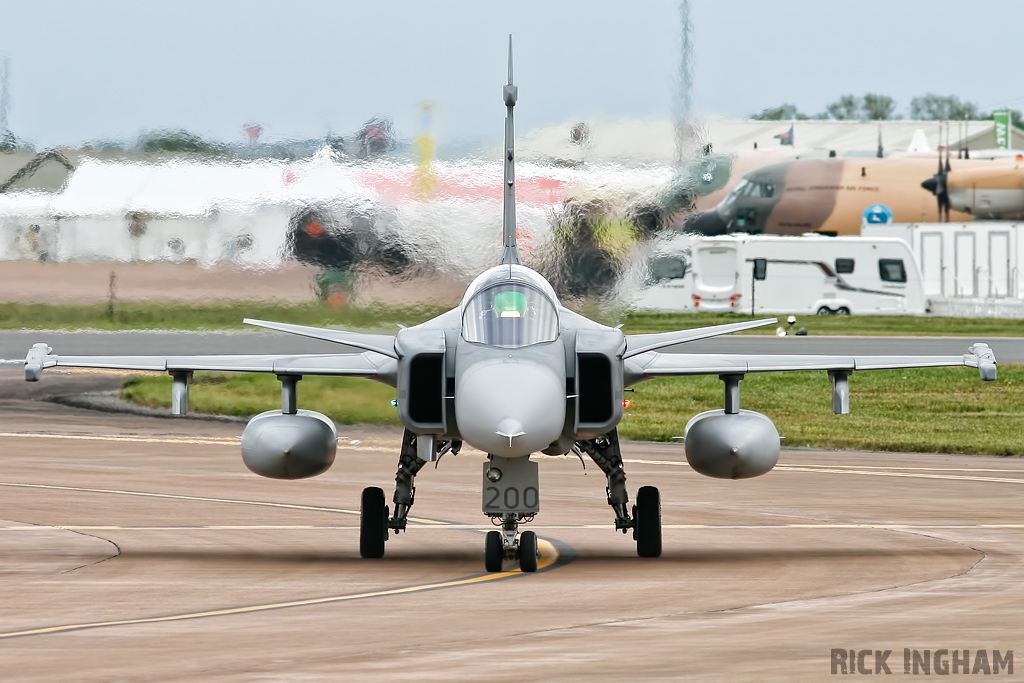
x,y
598,381
511,486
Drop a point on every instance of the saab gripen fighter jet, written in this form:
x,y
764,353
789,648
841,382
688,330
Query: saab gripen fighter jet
x,y
512,373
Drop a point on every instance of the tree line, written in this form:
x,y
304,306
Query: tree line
x,y
873,107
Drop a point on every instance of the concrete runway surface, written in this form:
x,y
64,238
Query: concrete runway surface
x,y
141,549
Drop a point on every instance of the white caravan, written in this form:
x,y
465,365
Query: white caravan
x,y
805,274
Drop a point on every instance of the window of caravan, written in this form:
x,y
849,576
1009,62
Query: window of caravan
x,y
892,270
844,266
510,315
667,268
717,266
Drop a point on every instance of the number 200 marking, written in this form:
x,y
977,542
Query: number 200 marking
x,y
512,497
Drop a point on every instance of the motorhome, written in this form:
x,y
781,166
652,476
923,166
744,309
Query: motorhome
x,y
801,274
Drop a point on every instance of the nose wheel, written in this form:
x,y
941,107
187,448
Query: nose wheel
x,y
496,551
528,555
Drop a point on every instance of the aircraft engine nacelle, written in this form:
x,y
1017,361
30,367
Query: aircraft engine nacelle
x,y
283,446
731,446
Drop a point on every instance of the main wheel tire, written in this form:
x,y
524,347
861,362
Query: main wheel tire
x,y
647,517
494,552
528,551
824,310
842,310
373,523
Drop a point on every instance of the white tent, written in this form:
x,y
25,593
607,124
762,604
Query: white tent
x,y
654,141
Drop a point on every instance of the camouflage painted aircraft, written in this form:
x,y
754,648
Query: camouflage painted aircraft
x,y
830,195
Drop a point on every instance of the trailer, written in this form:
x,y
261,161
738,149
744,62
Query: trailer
x,y
801,274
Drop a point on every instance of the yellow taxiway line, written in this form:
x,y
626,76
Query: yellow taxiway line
x,y
204,499
131,438
900,467
915,475
873,470
549,555
234,441
481,528
201,440
174,496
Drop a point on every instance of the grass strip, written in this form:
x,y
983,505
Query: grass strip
x,y
228,316
934,410
862,325
140,316
346,400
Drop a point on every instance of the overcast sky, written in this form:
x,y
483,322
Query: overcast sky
x,y
93,70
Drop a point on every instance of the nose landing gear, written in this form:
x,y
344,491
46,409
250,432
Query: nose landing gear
x,y
503,545
510,488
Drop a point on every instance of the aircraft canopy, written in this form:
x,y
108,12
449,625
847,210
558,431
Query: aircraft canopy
x,y
509,315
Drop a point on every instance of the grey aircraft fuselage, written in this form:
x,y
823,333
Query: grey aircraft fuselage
x,y
514,377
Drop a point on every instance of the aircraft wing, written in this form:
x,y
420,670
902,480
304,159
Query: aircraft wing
x,y
367,364
379,343
651,365
637,344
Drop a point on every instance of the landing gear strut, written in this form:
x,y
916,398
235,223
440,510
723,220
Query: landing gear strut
x,y
646,518
374,519
409,465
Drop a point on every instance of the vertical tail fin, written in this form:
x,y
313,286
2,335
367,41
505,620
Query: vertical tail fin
x,y
510,252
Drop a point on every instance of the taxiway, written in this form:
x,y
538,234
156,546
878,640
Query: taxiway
x,y
136,548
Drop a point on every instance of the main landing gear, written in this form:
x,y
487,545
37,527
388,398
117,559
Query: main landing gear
x,y
646,518
375,521
511,498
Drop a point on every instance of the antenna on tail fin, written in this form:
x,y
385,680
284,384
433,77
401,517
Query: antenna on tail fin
x,y
510,252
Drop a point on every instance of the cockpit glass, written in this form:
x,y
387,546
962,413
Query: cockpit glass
x,y
510,315
736,191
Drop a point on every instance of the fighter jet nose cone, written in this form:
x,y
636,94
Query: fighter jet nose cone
x,y
931,184
510,409
509,427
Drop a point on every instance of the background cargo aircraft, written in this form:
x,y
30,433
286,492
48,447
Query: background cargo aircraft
x,y
830,195
512,373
